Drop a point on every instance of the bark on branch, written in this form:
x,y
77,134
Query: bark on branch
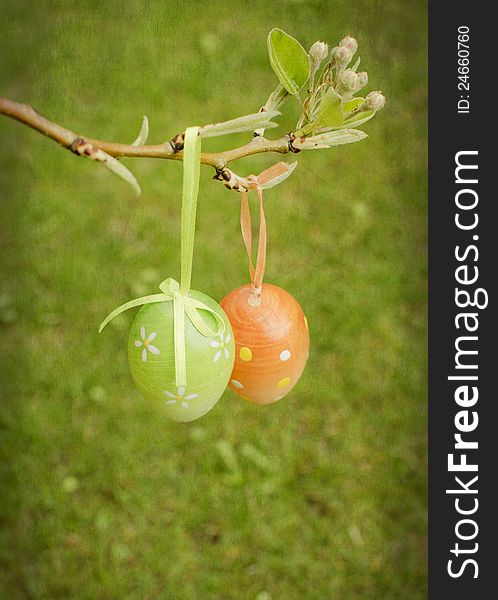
x,y
168,150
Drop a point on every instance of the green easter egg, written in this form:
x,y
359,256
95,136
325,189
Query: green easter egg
x,y
209,360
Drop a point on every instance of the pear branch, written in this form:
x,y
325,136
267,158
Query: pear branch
x,y
171,150
329,112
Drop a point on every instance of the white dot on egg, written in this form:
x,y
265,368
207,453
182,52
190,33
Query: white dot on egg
x,y
285,355
237,384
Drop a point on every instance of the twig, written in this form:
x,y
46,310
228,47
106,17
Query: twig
x,y
171,150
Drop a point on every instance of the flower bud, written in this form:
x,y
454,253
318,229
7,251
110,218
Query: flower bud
x,y
318,52
349,79
342,55
350,43
375,100
362,80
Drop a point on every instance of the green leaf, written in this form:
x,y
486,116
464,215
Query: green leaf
x,y
277,98
245,123
88,150
352,104
144,133
330,113
329,139
289,60
360,118
121,171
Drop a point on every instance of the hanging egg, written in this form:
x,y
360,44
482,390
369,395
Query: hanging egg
x,y
271,342
209,360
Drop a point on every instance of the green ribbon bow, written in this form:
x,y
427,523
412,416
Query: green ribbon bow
x,y
175,292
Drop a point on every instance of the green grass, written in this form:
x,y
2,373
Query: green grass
x,y
320,496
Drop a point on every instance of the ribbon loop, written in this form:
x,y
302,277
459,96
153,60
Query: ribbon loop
x,y
169,286
132,304
192,308
182,305
256,272
257,183
175,292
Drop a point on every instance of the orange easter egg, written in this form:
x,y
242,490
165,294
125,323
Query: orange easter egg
x,y
271,342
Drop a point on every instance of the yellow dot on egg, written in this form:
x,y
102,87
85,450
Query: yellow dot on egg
x,y
245,354
283,382
306,323
246,398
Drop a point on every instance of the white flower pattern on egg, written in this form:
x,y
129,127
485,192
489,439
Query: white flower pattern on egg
x,y
146,343
221,345
179,397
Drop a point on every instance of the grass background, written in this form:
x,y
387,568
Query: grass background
x,y
320,496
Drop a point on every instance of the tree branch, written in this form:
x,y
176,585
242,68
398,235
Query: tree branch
x,y
172,150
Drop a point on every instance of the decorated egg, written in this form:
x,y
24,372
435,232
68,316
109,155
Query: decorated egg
x,y
181,347
208,359
271,342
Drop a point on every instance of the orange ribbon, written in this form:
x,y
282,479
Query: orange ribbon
x,y
257,182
